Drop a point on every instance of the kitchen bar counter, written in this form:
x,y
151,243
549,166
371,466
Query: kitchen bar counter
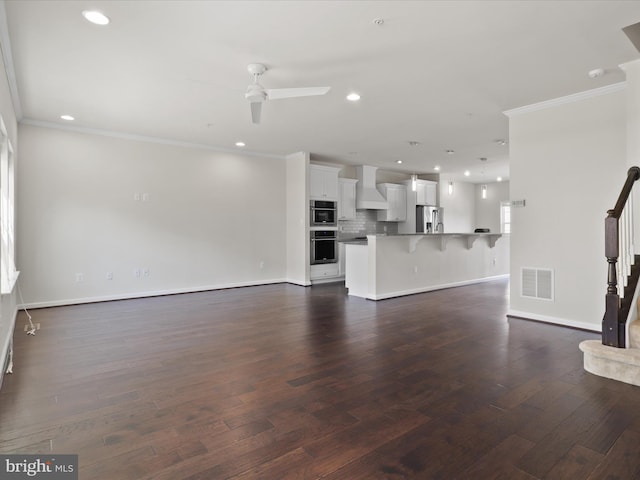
x,y
403,264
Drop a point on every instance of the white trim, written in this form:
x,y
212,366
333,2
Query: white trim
x,y
148,139
11,283
7,346
575,97
625,66
7,55
413,291
555,320
156,293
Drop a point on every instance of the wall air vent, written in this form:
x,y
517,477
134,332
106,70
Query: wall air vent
x,y
537,283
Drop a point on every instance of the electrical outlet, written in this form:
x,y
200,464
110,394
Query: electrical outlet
x,y
79,277
136,273
136,197
415,269
261,265
146,272
145,197
109,275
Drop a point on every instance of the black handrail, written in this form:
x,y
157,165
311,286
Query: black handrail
x,y
613,323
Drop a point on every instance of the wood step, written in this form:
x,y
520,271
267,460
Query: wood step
x,y
622,364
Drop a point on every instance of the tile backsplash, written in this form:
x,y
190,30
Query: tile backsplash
x,y
365,223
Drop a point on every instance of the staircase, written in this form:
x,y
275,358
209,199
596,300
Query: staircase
x,y
617,356
622,364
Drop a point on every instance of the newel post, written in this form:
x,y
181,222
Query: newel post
x,y
610,324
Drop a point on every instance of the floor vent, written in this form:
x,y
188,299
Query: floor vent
x,y
537,283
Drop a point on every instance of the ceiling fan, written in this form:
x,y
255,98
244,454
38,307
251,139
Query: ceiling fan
x,y
257,94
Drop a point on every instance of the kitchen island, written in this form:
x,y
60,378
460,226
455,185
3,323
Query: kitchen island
x,y
403,264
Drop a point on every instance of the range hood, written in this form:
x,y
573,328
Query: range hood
x,y
367,195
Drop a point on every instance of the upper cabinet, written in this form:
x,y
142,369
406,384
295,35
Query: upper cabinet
x,y
426,192
323,182
396,196
347,199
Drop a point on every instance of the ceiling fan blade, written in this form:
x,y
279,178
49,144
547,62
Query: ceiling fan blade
x,y
278,93
256,108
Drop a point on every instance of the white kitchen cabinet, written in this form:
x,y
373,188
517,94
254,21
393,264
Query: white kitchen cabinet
x,y
324,271
426,192
347,199
341,259
323,182
396,196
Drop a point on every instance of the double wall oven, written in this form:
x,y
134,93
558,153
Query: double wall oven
x,y
323,234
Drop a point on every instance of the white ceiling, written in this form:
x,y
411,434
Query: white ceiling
x,y
437,72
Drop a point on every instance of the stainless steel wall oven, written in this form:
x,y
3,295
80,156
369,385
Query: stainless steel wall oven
x,y
324,246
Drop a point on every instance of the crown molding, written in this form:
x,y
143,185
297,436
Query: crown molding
x,y
575,97
148,139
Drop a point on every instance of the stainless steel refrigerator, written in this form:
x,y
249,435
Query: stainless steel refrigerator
x,y
429,219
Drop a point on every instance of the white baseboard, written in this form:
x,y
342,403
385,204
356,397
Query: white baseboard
x,y
555,320
413,291
155,293
5,347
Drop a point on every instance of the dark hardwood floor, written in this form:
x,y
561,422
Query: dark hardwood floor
x,y
285,382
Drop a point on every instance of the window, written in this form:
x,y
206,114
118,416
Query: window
x,y
505,217
8,274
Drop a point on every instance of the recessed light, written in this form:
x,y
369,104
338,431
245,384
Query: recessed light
x,y
67,117
450,152
499,179
378,21
501,142
353,97
467,173
240,144
437,168
483,159
413,143
398,162
595,73
96,17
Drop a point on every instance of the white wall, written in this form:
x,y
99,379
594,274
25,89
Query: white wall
x,y
568,161
7,302
632,71
487,211
298,242
459,208
212,219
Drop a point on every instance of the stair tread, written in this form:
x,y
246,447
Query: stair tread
x,y
629,356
